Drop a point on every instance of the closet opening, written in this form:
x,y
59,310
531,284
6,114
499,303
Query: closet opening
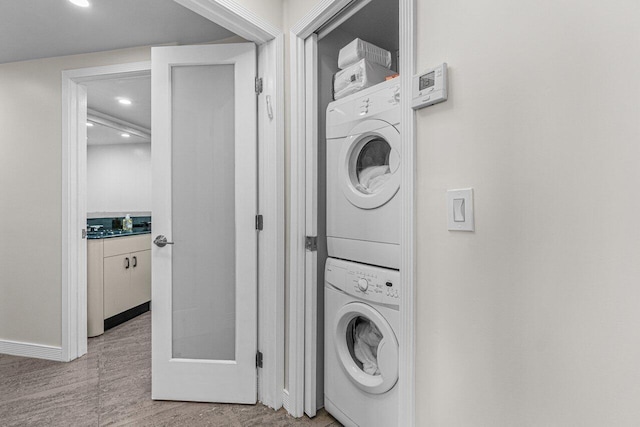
x,y
339,71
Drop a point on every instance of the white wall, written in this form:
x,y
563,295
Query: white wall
x,y
119,178
30,189
533,319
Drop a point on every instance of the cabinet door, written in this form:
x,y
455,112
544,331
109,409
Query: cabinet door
x,y
117,284
140,291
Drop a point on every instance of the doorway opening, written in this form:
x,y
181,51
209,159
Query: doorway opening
x,y
75,196
328,78
118,200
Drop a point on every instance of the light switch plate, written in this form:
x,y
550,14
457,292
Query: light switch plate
x,y
460,210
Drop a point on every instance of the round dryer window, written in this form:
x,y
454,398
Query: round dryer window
x,y
367,348
371,157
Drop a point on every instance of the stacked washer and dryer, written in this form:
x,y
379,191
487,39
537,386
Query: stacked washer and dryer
x,y
361,274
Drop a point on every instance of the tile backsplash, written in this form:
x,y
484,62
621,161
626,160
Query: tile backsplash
x,y
140,223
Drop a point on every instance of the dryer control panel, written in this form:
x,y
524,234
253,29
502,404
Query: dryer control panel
x,y
381,285
381,102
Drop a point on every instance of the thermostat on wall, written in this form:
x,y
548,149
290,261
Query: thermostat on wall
x,y
430,87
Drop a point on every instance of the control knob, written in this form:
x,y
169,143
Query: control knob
x,y
363,284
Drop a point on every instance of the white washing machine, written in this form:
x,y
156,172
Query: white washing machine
x,y
361,345
363,176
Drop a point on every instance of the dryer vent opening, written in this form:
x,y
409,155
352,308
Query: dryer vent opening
x,y
372,166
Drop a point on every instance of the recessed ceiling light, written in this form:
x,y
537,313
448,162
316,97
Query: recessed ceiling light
x,y
124,101
125,135
89,124
81,3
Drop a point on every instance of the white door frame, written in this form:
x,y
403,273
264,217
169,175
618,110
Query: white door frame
x,y
270,41
74,199
310,23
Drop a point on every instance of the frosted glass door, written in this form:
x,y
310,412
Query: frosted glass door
x,y
204,300
203,205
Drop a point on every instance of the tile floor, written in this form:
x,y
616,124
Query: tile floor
x,y
111,386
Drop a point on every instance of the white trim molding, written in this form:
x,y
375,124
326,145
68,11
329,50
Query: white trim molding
x,y
297,229
235,18
74,200
271,243
311,227
38,351
406,380
317,17
72,283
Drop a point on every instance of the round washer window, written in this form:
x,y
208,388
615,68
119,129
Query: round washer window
x,y
363,339
366,347
372,166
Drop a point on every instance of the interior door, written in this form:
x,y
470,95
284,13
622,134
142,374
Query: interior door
x,y
204,262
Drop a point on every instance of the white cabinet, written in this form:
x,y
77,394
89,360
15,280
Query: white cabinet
x,y
127,281
118,278
127,273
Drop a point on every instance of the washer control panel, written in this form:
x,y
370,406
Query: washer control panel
x,y
370,283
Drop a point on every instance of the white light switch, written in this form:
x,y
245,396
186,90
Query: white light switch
x,y
460,210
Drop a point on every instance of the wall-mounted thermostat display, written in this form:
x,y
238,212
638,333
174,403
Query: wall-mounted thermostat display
x,y
430,87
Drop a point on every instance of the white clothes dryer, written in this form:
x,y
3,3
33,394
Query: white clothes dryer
x,y
361,345
363,176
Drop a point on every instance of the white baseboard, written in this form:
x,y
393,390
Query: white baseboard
x,y
23,349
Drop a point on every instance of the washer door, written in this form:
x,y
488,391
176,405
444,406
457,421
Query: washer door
x,y
370,158
367,347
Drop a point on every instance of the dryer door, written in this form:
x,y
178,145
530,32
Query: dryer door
x,y
370,159
367,347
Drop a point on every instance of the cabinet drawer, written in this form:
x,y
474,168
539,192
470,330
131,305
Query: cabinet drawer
x,y
125,245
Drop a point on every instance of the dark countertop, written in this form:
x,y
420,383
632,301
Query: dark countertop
x,y
107,234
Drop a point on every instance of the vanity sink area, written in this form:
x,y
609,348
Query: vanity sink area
x,y
118,272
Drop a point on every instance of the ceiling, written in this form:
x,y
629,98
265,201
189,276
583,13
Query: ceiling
x,y
103,95
49,28
103,98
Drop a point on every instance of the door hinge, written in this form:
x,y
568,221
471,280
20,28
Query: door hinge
x,y
259,359
84,233
258,85
311,243
259,222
